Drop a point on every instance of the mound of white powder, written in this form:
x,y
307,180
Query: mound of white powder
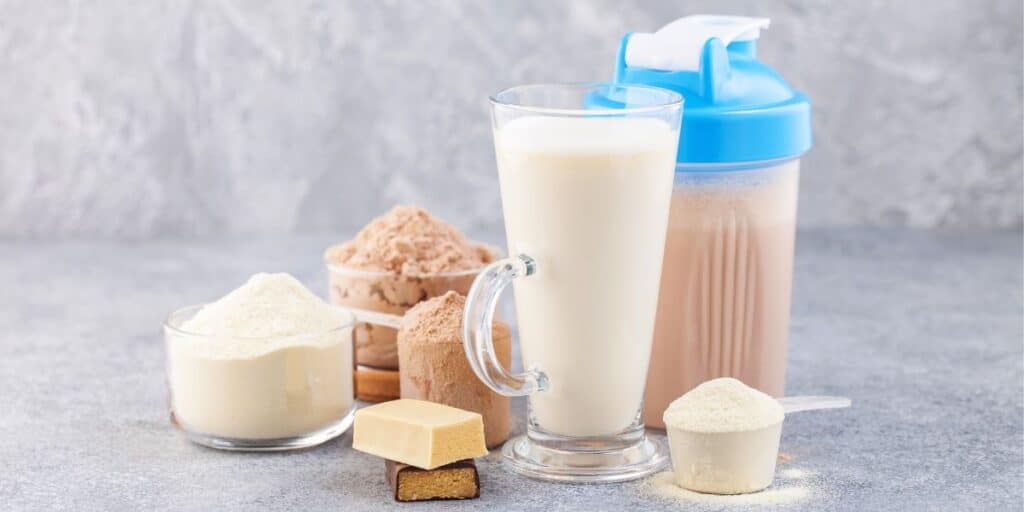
x,y
268,305
723,405
274,361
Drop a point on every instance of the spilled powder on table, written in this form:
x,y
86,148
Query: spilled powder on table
x,y
791,486
795,474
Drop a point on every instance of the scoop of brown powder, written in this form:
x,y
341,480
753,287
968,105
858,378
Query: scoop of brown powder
x,y
438,319
409,241
433,365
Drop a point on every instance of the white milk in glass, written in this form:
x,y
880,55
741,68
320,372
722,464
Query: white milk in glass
x,y
588,199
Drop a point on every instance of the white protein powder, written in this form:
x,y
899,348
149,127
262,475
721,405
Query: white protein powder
x,y
662,485
724,438
723,405
268,305
269,360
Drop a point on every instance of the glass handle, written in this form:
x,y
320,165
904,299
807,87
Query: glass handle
x,y
477,323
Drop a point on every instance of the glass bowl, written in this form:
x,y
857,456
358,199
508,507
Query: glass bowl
x,y
262,393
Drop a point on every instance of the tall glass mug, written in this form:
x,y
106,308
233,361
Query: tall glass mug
x,y
586,179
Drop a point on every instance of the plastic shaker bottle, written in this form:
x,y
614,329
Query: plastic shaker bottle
x,y
725,288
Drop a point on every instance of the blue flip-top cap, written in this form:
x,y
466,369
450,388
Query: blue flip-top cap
x,y
736,108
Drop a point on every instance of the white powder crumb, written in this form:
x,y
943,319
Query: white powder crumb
x,y
268,305
723,405
796,474
662,485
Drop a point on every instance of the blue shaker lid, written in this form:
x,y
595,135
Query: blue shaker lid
x,y
736,108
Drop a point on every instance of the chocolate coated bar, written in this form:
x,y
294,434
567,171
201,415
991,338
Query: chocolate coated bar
x,y
456,481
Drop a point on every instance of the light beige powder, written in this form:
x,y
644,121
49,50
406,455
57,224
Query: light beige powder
x,y
436,320
723,405
409,241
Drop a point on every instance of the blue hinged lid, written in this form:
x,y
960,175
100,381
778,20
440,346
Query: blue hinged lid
x,y
736,108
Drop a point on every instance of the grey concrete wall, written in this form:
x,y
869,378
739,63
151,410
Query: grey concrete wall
x,y
194,118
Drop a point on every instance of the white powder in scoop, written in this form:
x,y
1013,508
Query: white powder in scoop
x,y
723,405
268,305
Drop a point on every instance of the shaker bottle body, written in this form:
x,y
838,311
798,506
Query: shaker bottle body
x,y
725,290
723,308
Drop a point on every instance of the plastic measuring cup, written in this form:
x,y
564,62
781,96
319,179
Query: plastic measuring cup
x,y
736,462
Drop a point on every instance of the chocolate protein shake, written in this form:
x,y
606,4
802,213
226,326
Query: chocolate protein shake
x,y
723,309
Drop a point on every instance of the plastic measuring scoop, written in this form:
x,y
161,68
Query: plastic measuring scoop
x,y
374,317
791,404
736,462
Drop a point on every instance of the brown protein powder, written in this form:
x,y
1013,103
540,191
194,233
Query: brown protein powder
x,y
398,260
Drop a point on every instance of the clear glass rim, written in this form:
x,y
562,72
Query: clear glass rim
x,y
674,100
171,326
496,254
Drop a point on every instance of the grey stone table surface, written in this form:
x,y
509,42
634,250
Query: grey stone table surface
x,y
922,330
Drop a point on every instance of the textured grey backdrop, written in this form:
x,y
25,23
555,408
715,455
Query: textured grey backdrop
x,y
193,118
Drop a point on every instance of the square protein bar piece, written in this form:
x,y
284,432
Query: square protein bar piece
x,y
455,481
422,434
